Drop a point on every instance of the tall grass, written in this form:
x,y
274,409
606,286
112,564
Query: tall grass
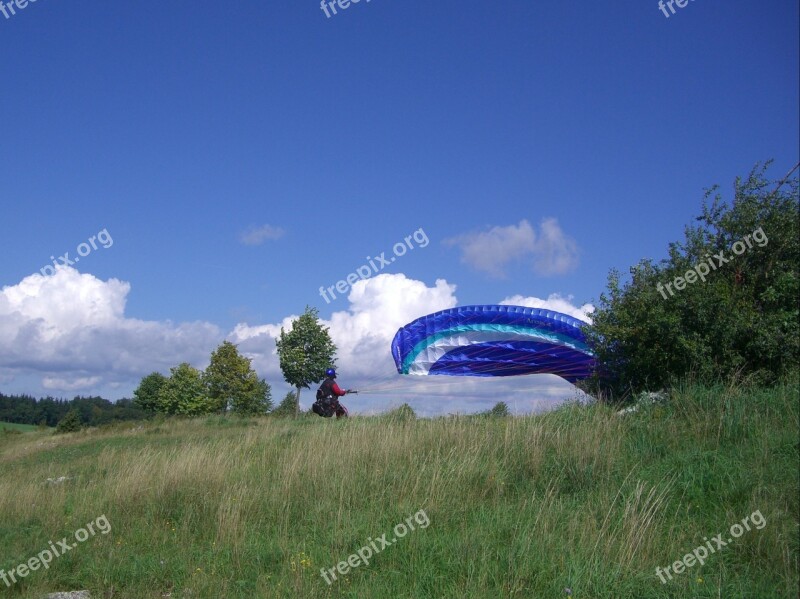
x,y
579,499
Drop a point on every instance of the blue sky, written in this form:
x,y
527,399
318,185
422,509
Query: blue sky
x,y
536,145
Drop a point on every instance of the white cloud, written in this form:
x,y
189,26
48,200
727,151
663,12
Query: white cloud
x,y
555,252
70,329
378,307
551,252
553,302
258,235
490,251
74,384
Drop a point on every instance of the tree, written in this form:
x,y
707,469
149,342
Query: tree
x,y
740,318
184,393
305,352
256,403
288,407
500,410
70,423
146,394
233,384
402,413
92,411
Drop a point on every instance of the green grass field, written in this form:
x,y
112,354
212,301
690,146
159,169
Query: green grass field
x,y
579,499
10,426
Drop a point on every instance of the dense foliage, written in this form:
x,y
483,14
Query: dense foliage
x,y
146,395
183,393
233,385
305,352
723,304
288,406
93,411
229,384
70,423
500,410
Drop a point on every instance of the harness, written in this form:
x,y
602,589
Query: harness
x,y
326,399
325,391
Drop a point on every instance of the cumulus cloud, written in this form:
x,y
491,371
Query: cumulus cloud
x,y
490,251
258,235
555,302
555,252
71,329
70,384
378,307
550,252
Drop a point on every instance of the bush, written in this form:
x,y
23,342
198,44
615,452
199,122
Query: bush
x,y
500,410
402,414
742,320
288,407
70,423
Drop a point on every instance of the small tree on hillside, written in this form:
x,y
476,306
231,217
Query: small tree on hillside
x,y
305,352
256,403
146,394
70,423
288,407
402,413
232,383
500,410
184,393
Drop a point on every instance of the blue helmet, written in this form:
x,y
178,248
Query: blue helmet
x,y
330,372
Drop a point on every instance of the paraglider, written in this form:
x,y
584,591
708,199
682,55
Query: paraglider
x,y
328,395
493,341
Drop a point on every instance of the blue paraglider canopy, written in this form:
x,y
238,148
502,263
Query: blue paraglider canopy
x,y
493,341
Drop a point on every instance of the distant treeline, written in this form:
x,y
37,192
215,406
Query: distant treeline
x,y
93,411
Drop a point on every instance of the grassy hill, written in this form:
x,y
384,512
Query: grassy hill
x,y
578,503
23,428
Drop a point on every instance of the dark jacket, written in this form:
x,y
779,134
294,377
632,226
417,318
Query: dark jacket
x,y
330,389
